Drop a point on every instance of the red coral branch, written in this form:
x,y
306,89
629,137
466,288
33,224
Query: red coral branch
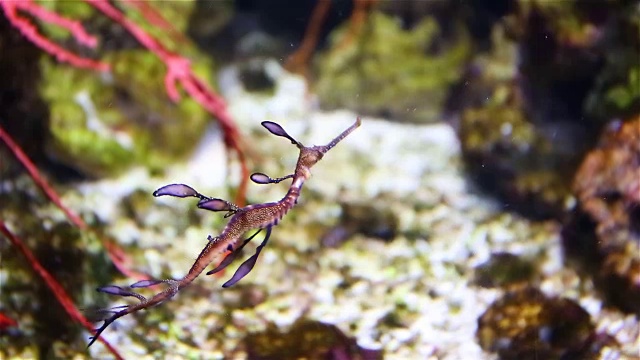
x,y
115,255
29,31
153,17
6,322
54,286
39,179
358,17
298,61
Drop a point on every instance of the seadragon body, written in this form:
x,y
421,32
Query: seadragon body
x,y
257,216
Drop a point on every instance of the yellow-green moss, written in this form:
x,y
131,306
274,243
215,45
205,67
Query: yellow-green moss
x,y
102,124
388,70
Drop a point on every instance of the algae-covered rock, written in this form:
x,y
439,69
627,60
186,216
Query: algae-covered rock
x,y
616,92
387,70
530,111
86,132
504,270
100,127
171,129
507,155
306,340
604,230
526,324
604,36
514,143
102,123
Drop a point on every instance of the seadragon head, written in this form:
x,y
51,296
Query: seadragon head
x,y
309,155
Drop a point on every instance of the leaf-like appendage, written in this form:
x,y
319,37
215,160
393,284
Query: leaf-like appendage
x,y
117,290
260,178
145,283
242,271
215,205
246,267
274,128
178,190
114,290
277,130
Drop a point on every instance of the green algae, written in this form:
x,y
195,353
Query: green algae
x,y
82,120
102,126
388,70
505,269
170,130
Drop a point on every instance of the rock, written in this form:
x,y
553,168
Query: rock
x,y
606,221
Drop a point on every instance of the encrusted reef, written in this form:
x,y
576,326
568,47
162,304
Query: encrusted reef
x,y
305,339
526,324
506,154
604,229
529,112
101,126
505,151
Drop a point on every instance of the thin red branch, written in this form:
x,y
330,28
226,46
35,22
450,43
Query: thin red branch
x,y
29,31
358,17
298,61
153,17
55,287
6,322
39,179
114,254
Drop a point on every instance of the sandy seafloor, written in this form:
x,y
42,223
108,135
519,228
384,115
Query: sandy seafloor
x,y
446,228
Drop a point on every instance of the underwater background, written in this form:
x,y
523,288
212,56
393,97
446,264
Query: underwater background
x,y
488,207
